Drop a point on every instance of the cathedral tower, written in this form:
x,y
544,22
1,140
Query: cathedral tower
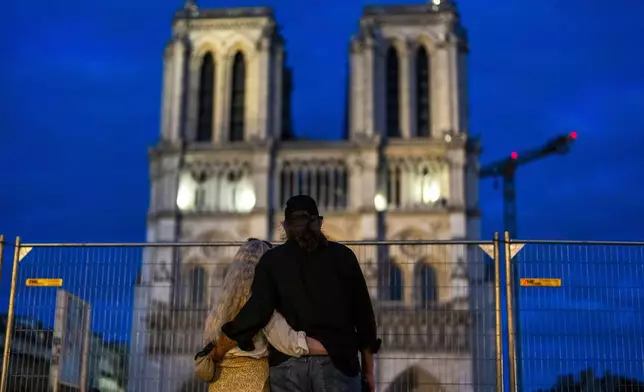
x,y
407,170
408,93
225,104
409,76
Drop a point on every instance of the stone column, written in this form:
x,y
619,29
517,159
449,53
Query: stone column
x,y
369,179
370,70
261,179
456,162
166,100
356,97
167,182
277,90
220,133
405,90
155,194
178,56
194,80
463,101
263,88
413,88
452,50
441,95
355,169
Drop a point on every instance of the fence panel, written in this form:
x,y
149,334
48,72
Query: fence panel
x,y
436,316
130,317
587,333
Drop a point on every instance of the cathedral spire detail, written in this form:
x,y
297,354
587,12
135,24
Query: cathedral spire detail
x,y
190,5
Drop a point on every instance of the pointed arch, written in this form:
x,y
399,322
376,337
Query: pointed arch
x,y
429,42
415,379
238,98
423,118
204,45
206,98
392,97
427,284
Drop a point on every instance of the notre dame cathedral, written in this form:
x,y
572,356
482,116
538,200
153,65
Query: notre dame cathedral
x,y
228,159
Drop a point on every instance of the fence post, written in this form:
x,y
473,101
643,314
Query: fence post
x,y
512,354
10,315
497,313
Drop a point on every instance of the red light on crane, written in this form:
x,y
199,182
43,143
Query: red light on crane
x,y
573,135
514,155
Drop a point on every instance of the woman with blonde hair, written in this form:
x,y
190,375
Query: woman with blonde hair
x,y
247,371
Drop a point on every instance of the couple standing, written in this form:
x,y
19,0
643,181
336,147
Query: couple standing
x,y
300,324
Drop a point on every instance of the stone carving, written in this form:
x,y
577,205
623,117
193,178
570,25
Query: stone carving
x,y
216,250
436,227
235,26
364,137
459,270
367,29
438,329
357,45
412,250
269,30
180,30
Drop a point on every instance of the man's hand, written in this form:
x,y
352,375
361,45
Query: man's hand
x,y
315,347
224,344
370,379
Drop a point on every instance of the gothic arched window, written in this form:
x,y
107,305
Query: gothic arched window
x,y
197,286
391,282
238,98
392,93
395,282
394,186
206,98
426,278
422,91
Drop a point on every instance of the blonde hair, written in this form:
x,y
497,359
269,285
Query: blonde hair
x,y
235,289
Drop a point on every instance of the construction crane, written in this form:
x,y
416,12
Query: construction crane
x,y
507,167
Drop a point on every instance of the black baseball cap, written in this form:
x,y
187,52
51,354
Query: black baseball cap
x,y
301,203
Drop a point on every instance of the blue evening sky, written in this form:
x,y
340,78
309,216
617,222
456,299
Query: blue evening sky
x,y
80,85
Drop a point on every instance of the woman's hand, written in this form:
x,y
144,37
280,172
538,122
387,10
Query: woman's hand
x,y
315,347
224,344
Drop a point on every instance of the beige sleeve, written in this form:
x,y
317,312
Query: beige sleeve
x,y
284,338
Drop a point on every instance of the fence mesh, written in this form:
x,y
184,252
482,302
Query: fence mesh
x,y
130,318
587,334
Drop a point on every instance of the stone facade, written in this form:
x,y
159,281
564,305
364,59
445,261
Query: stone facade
x,y
223,171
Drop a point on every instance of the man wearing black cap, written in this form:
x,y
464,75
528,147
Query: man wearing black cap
x,y
319,288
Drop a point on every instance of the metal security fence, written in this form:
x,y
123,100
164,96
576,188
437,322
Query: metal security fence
x,y
130,316
578,310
